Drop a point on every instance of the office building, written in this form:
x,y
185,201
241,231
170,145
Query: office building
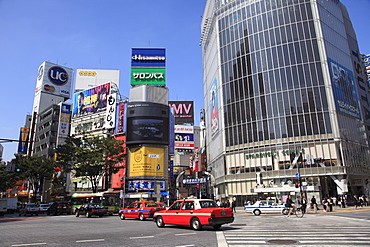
x,y
286,99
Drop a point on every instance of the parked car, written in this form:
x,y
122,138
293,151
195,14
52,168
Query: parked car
x,y
265,207
43,208
161,204
30,208
140,210
57,208
91,209
195,213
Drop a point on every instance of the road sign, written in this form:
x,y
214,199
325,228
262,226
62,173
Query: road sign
x,y
297,175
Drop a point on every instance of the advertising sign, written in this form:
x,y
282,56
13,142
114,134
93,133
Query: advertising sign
x,y
146,161
23,140
110,116
150,76
145,185
148,57
64,119
171,146
344,89
147,123
121,117
88,78
54,79
91,100
184,111
213,108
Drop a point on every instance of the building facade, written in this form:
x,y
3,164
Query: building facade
x,y
285,99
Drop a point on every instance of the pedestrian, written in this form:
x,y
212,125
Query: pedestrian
x,y
233,205
324,204
314,204
356,201
304,204
227,204
330,204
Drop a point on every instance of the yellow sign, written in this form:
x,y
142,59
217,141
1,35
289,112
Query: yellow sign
x,y
146,161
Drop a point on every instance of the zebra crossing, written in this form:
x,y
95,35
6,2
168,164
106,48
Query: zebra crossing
x,y
308,231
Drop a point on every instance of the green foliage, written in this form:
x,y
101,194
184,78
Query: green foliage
x,y
91,158
7,179
34,169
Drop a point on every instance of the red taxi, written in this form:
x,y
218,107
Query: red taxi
x,y
140,210
195,213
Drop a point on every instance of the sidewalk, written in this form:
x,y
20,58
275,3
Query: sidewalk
x,y
336,209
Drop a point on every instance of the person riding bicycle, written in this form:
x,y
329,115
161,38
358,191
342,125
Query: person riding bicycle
x,y
290,204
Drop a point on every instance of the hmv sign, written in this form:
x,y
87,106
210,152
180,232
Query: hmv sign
x,y
183,111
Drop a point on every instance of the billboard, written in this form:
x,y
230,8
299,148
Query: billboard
x,y
183,111
148,66
23,140
110,114
149,76
91,100
121,117
64,119
146,161
344,90
145,185
88,78
147,123
213,109
148,57
54,79
184,137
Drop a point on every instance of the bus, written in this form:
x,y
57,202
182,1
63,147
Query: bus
x,y
110,200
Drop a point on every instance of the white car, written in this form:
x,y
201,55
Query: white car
x,y
265,207
43,208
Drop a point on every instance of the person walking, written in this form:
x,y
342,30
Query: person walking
x,y
304,204
314,204
290,204
356,201
233,206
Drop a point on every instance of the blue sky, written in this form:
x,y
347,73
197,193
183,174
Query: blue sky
x,y
99,34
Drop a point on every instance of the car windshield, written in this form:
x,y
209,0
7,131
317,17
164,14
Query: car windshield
x,y
208,204
151,204
44,205
31,206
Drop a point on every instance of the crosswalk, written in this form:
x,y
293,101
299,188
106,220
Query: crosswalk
x,y
308,231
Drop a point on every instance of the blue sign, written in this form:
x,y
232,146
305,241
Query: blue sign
x,y
148,57
297,175
58,75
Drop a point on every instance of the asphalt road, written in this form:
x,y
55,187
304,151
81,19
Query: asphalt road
x,y
347,227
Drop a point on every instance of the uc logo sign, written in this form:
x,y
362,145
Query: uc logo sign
x,y
58,76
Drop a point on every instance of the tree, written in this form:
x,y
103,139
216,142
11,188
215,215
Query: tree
x,y
8,179
34,169
91,158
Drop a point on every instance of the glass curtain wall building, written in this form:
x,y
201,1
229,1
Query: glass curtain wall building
x,y
286,99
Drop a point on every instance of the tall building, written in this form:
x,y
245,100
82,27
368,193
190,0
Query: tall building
x,y
286,99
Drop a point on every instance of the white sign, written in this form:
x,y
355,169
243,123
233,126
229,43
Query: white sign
x,y
110,116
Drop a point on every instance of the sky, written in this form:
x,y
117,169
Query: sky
x,y
99,34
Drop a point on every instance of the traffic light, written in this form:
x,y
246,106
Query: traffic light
x,y
296,185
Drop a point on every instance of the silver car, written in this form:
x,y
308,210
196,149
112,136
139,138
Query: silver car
x,y
265,207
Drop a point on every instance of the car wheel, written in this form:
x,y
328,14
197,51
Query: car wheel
x,y
257,212
195,224
141,217
285,211
122,216
100,216
159,221
37,214
216,227
77,214
88,214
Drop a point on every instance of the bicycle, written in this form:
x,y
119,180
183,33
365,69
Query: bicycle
x,y
295,210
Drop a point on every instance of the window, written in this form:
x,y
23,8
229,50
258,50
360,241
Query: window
x,y
176,206
188,206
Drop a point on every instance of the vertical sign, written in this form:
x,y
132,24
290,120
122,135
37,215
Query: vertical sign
x,y
110,116
65,115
